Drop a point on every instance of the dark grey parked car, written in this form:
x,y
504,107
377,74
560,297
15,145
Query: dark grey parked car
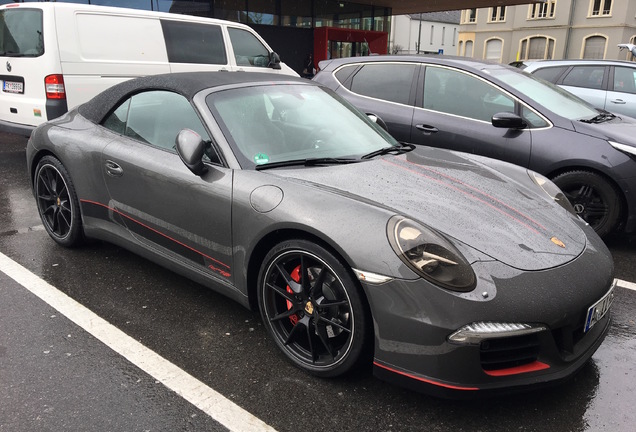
x,y
494,110
448,272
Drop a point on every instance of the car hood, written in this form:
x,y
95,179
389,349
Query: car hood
x,y
458,195
621,130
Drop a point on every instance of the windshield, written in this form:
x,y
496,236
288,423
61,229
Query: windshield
x,y
277,123
550,96
21,33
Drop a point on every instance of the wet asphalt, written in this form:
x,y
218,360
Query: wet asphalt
x,y
54,376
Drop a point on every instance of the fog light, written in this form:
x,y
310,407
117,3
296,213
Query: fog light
x,y
474,333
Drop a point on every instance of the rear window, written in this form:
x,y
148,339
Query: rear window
x,y
551,74
194,43
21,33
585,76
391,82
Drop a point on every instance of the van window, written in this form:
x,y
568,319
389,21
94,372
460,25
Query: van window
x,y
248,50
21,33
188,42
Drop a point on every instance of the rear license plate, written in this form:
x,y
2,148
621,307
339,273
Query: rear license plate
x,y
598,310
12,87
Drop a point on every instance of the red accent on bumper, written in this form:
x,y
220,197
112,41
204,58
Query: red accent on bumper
x,y
530,367
428,381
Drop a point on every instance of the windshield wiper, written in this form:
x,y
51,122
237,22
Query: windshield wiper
x,y
307,162
402,148
603,116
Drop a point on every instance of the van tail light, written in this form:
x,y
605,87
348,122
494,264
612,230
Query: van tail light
x,y
54,85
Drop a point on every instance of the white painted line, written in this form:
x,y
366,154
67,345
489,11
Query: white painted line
x,y
625,284
185,385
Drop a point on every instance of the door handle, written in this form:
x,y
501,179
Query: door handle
x,y
426,128
113,169
618,101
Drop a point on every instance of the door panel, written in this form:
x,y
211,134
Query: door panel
x,y
386,90
169,209
622,99
456,114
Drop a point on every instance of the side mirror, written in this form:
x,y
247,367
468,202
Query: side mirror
x,y
191,148
274,61
378,120
508,120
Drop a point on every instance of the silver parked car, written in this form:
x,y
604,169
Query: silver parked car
x,y
606,84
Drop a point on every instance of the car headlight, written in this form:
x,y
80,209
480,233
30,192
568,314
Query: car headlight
x,y
552,190
430,255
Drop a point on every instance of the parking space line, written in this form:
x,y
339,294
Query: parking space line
x,y
219,408
625,284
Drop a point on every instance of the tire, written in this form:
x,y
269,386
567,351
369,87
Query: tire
x,y
595,199
57,202
320,322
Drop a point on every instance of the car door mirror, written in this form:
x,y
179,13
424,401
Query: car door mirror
x,y
274,61
508,120
378,120
191,148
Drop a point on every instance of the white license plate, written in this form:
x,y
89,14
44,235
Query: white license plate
x,y
598,310
13,87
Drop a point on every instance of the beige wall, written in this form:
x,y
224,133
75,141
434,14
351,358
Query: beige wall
x,y
571,25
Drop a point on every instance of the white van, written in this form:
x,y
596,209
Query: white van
x,y
54,56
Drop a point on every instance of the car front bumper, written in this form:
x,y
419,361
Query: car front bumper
x,y
414,319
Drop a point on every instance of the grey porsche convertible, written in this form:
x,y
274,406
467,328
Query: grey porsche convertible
x,y
450,273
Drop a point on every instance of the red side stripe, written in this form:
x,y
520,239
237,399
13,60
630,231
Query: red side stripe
x,y
158,232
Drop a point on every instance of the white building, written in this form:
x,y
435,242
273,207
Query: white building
x,y
433,32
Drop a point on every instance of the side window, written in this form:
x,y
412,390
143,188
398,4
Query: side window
x,y
116,121
551,74
532,118
248,50
194,43
390,82
625,80
345,72
464,95
585,76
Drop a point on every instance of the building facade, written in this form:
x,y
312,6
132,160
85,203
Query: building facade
x,y
555,29
425,33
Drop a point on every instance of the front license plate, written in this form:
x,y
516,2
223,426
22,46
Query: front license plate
x,y
598,310
13,87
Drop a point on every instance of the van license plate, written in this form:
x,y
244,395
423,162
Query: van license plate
x,y
13,87
598,310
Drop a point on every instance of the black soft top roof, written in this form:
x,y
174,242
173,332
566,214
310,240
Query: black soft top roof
x,y
187,84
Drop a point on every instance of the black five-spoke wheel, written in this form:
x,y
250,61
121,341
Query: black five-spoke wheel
x,y
312,308
593,198
57,202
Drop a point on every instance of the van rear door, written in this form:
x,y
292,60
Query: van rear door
x,y
26,58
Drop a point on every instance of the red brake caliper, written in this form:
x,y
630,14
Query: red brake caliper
x,y
295,275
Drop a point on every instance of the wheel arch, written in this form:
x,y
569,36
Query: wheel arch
x,y
267,242
621,194
35,160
